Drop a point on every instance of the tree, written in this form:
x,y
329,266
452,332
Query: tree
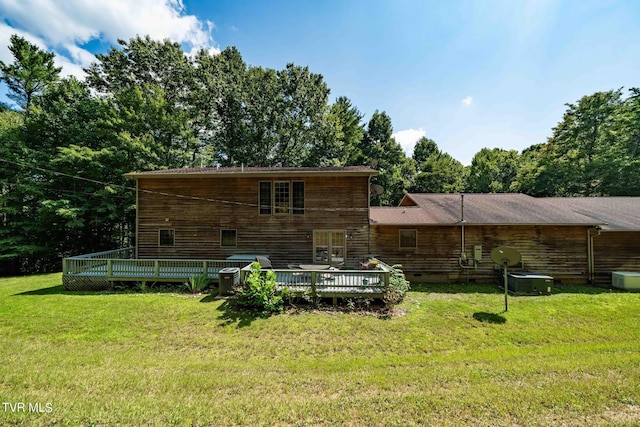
x,y
81,205
343,134
302,104
628,122
379,150
585,154
14,191
221,97
493,171
438,172
527,177
149,84
424,149
30,73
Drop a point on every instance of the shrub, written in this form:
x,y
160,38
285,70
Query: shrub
x,y
197,284
398,286
259,292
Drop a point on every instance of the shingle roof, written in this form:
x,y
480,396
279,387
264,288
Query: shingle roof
x,y
618,213
254,171
443,209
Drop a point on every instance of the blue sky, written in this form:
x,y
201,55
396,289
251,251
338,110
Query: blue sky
x,y
468,74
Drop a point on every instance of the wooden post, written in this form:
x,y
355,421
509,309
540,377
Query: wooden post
x,y
65,267
109,268
205,269
156,268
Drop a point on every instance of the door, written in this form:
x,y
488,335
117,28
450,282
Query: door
x,y
329,247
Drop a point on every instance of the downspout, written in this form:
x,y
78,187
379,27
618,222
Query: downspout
x,y
463,255
463,260
137,218
369,215
591,263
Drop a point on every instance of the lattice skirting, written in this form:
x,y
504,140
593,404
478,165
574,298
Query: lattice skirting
x,y
84,283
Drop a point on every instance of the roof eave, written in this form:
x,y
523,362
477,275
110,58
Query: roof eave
x,y
454,224
265,174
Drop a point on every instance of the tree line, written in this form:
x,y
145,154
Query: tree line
x,y
146,105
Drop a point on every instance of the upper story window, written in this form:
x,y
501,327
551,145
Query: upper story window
x,y
264,198
281,197
298,197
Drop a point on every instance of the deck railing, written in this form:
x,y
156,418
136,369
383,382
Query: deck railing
x,y
118,265
98,270
330,282
124,253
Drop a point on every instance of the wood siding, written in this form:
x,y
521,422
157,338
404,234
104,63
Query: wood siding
x,y
557,251
286,238
615,251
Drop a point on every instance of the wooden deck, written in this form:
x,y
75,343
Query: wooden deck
x,y
100,270
331,283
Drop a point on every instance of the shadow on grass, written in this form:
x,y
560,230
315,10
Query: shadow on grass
x,y
59,290
456,288
489,318
491,288
53,290
212,297
241,318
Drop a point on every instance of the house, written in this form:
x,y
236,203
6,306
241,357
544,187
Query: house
x,y
615,245
449,237
294,215
199,220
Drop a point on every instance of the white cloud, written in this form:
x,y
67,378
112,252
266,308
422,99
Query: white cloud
x,y
408,138
467,101
62,26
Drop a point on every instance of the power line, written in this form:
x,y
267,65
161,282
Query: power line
x,y
180,196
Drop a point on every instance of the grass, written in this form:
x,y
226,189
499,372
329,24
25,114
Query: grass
x,y
452,359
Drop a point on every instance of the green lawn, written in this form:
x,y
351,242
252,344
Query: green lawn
x,y
572,358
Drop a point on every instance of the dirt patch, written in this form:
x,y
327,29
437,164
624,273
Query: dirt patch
x,y
376,309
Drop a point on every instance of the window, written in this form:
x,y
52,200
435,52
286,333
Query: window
x,y
228,238
298,197
281,193
264,198
166,237
408,239
281,198
330,247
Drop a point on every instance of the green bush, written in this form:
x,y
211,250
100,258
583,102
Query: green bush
x,y
398,286
259,292
197,284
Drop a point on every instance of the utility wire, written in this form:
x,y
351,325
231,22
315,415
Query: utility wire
x,y
180,196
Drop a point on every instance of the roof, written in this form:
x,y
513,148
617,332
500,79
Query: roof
x,y
232,172
479,209
617,213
